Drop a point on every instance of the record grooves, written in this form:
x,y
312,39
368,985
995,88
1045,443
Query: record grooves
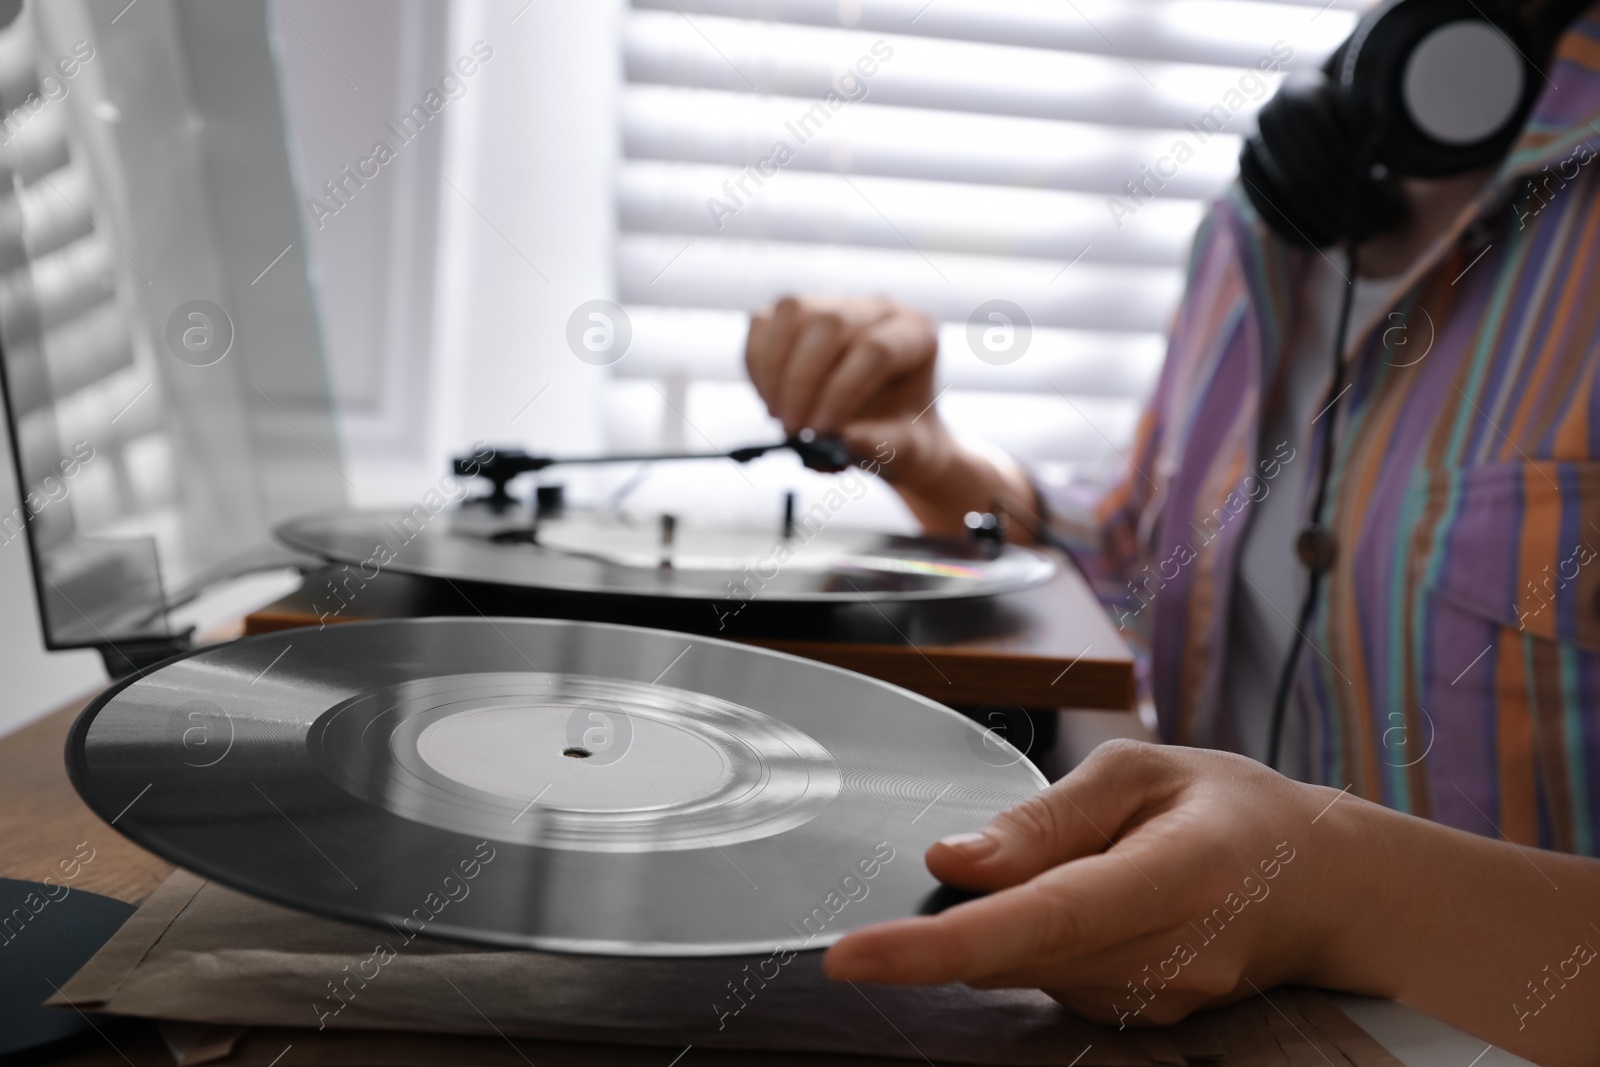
x,y
613,790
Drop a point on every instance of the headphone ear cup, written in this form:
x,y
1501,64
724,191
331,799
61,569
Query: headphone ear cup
x,y
1448,82
1300,169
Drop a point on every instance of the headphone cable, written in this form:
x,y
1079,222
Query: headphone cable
x,y
1315,535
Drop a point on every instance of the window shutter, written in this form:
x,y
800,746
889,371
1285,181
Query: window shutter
x,y
973,150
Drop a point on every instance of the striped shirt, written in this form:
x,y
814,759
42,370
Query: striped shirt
x,y
1453,665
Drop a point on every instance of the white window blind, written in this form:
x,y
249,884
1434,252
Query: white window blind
x,y
1024,150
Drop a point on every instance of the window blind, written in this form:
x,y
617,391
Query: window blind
x,y
1055,154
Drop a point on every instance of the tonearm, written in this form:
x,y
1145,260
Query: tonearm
x,y
820,453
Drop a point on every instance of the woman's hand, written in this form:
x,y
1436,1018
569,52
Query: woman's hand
x,y
1153,881
1212,885
864,369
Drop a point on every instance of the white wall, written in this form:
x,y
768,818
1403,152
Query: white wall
x,y
527,224
445,287
361,65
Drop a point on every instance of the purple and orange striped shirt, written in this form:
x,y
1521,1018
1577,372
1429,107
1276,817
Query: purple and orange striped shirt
x,y
1456,670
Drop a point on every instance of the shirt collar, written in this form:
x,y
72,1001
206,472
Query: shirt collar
x,y
1567,113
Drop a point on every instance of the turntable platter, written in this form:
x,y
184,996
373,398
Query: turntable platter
x,y
588,553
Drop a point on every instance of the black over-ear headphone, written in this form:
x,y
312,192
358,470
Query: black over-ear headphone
x,y
1422,88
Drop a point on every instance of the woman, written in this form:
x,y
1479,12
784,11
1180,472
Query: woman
x,y
1444,719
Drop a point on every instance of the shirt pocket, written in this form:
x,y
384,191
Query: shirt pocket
x,y
1519,544
1509,562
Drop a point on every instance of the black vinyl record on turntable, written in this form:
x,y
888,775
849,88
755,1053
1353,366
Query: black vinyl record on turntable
x,y
606,565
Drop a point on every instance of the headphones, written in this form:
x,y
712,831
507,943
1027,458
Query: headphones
x,y
1422,88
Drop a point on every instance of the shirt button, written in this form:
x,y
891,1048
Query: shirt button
x,y
1316,547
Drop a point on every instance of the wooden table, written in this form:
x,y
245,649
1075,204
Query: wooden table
x,y
1048,647
42,821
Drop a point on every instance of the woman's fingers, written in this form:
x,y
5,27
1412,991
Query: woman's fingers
x,y
821,342
1148,883
1166,958
767,346
1068,880
794,346
1076,910
892,349
1080,815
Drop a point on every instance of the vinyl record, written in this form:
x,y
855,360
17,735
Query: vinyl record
x,y
574,787
586,552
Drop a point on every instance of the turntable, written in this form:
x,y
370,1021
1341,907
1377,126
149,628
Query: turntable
x,y
970,622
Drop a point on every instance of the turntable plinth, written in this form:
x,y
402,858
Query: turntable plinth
x,y
1048,647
